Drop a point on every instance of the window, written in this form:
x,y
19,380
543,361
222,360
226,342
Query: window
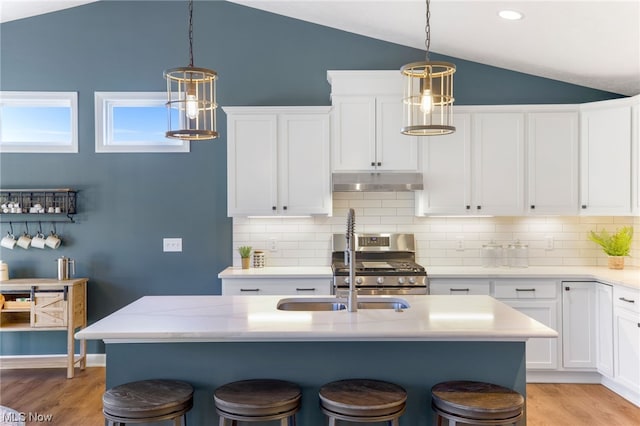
x,y
38,122
134,122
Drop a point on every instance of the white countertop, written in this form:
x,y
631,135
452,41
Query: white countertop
x,y
255,319
629,277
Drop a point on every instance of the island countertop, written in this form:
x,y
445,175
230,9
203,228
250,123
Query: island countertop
x,y
162,319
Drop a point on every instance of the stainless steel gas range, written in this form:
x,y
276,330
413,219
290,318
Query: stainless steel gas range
x,y
385,264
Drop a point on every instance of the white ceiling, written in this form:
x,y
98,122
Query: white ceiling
x,y
593,43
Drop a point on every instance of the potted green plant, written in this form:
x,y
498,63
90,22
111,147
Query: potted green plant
x,y
245,253
616,246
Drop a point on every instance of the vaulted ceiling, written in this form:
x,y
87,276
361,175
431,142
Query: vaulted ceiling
x,y
593,43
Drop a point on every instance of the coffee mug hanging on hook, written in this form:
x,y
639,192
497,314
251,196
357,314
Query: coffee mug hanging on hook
x,y
53,241
39,240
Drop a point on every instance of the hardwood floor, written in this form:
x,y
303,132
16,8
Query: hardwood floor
x,y
78,401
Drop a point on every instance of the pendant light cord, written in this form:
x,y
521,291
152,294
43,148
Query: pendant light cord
x,y
427,31
191,33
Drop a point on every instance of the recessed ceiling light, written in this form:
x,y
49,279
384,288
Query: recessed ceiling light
x,y
511,15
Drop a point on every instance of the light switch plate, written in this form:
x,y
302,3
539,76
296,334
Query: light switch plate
x,y
172,244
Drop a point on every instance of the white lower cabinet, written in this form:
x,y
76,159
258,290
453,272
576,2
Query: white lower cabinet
x,y
604,329
626,338
579,325
539,300
276,286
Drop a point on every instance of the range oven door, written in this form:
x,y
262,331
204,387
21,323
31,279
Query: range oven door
x,y
383,291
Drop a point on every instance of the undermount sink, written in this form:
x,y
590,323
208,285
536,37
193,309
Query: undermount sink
x,y
334,304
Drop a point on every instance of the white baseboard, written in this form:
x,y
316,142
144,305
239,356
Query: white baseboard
x,y
623,391
554,376
9,362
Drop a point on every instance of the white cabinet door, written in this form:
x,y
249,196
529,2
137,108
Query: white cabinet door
x,y
251,164
635,149
541,353
394,151
278,161
459,287
604,329
626,338
446,164
304,185
498,163
354,133
578,325
552,163
605,160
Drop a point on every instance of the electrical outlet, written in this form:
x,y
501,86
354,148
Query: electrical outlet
x,y
459,243
273,244
172,244
548,242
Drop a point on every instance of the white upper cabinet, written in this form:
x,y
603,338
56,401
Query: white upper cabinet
x,y
478,169
605,158
366,122
446,170
635,150
278,161
552,163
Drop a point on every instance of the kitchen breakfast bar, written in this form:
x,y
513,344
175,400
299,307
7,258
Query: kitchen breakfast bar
x,y
211,340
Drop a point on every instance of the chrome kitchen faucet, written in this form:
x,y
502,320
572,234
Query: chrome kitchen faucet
x,y
350,260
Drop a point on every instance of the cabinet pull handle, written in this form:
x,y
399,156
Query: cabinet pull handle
x,y
468,207
525,289
624,299
459,289
533,206
479,207
373,163
273,208
284,207
379,163
584,206
305,289
249,289
567,288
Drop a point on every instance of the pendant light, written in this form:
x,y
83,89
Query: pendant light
x,y
428,94
191,98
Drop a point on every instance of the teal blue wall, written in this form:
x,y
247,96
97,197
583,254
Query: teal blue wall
x,y
129,202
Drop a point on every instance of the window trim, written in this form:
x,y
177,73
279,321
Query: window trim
x,y
104,104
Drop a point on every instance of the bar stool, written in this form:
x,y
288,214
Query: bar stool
x,y
258,400
476,403
363,401
147,401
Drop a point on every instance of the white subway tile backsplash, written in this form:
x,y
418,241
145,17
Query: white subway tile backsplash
x,y
307,241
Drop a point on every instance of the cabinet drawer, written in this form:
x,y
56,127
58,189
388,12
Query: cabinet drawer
x,y
626,298
459,287
270,286
526,290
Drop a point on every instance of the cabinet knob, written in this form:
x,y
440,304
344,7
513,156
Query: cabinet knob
x,y
468,207
567,288
373,163
379,163
273,208
284,207
479,207
533,206
584,206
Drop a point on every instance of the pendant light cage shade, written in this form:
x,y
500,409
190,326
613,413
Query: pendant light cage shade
x,y
428,98
191,103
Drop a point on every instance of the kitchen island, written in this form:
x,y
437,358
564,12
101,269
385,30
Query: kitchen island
x,y
211,340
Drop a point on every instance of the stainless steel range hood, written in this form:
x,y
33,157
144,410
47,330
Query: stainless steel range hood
x,y
377,182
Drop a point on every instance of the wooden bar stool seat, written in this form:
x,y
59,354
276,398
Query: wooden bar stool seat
x,y
148,401
476,403
362,401
258,400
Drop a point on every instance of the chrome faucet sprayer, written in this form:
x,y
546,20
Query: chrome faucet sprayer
x,y
350,258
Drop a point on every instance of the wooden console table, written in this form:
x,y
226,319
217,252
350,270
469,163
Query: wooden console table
x,y
39,304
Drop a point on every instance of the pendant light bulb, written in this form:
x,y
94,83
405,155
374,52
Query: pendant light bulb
x,y
192,107
426,101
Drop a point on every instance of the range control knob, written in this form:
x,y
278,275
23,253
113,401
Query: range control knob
x,y
359,280
401,280
380,280
346,280
412,280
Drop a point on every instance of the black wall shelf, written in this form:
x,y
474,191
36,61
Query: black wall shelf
x,y
37,205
